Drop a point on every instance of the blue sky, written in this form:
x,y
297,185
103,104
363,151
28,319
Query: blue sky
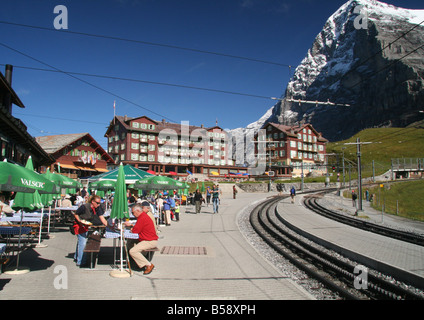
x,y
275,31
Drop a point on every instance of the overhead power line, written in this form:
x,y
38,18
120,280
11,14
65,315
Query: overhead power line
x,y
147,43
86,82
142,81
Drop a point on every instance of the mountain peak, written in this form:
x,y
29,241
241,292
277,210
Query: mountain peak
x,y
369,57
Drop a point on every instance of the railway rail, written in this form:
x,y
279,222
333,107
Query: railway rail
x,y
312,204
330,269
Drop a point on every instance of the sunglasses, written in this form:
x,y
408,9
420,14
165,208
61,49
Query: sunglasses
x,y
97,202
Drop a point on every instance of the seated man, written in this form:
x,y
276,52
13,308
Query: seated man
x,y
147,236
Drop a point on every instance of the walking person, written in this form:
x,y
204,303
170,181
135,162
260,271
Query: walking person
x,y
215,199
167,209
292,194
208,195
234,191
198,198
354,197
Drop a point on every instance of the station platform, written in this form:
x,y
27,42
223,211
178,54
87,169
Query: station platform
x,y
226,268
403,259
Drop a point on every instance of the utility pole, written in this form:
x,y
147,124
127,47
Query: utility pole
x,y
358,153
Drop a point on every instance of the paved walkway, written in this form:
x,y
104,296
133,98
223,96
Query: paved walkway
x,y
372,249
231,268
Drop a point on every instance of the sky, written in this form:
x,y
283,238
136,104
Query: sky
x,y
188,60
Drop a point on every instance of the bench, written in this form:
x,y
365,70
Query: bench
x,y
93,246
149,253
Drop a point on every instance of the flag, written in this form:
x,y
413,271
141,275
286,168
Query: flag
x,y
114,111
188,172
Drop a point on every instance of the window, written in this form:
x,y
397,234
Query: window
x,y
293,144
135,125
134,156
134,146
135,135
293,154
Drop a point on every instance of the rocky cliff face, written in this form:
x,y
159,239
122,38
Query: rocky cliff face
x,y
370,59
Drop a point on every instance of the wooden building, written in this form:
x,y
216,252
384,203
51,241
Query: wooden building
x,y
77,155
293,150
16,144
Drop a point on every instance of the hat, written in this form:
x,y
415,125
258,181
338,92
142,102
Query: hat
x,y
145,204
67,196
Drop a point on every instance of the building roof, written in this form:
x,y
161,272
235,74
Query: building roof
x,y
160,125
55,143
294,130
52,144
4,86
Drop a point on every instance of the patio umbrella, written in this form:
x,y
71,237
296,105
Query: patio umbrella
x,y
14,177
120,211
131,174
103,185
61,180
159,183
27,200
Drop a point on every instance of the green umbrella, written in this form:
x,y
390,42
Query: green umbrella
x,y
61,180
158,183
28,201
131,174
120,203
102,185
14,177
120,211
203,187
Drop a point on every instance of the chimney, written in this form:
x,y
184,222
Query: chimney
x,y
7,100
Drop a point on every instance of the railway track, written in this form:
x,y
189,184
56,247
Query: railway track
x,y
331,270
312,204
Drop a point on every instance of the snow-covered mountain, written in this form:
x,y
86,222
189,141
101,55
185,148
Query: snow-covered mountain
x,y
368,55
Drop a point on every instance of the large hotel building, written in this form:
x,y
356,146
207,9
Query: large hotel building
x,y
170,148
180,149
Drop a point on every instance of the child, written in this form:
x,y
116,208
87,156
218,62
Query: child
x,y
177,210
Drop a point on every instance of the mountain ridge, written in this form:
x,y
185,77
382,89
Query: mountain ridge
x,y
369,59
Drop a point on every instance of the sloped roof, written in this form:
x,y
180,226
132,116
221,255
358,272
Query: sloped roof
x,y
5,86
160,125
52,144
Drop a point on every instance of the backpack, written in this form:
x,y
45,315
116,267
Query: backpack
x,y
171,202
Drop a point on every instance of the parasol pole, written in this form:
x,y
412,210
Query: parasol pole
x,y
17,270
122,254
39,245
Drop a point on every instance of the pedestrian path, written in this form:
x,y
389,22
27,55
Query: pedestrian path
x,y
344,205
228,268
371,249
